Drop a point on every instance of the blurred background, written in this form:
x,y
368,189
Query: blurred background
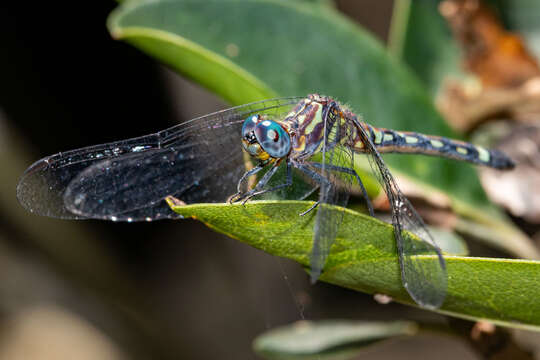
x,y
162,290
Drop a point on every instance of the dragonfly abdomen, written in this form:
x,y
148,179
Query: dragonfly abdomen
x,y
390,141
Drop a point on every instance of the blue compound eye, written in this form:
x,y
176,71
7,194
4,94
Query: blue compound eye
x,y
273,138
249,125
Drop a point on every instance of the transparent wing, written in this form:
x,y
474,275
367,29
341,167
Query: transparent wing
x,y
423,269
334,191
200,160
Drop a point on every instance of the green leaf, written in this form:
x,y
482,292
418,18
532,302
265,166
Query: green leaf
x,y
246,50
420,37
363,258
327,340
449,241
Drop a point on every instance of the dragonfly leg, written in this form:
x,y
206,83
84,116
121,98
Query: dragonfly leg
x,y
350,172
318,178
246,175
258,188
311,208
288,182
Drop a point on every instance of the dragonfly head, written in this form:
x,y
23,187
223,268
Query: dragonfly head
x,y
263,139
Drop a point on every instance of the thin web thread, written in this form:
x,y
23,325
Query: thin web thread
x,y
299,306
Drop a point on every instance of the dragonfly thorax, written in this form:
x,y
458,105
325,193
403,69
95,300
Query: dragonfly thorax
x,y
264,139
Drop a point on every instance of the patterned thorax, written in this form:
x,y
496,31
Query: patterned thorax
x,y
306,124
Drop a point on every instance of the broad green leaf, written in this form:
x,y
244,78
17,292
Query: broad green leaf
x,y
364,258
327,340
246,50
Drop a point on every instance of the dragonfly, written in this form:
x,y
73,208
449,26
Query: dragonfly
x,y
204,160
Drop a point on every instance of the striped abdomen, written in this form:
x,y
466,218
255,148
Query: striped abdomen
x,y
387,141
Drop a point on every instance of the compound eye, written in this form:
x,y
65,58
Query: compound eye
x,y
249,125
273,138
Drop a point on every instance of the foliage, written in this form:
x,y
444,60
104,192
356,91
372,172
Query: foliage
x,y
247,50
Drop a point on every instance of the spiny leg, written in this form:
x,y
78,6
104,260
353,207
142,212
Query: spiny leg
x,y
288,182
350,172
257,190
247,174
318,178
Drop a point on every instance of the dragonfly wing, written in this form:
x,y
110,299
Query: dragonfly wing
x,y
423,269
134,188
127,180
334,192
42,187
